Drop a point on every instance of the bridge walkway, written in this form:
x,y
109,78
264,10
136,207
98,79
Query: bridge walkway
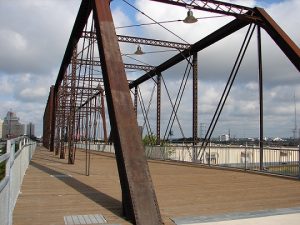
x,y
53,189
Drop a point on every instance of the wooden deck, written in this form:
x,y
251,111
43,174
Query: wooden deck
x,y
47,194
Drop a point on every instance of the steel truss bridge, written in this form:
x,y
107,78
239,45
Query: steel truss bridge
x,y
92,77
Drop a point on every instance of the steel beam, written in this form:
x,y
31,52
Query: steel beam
x,y
53,100
158,109
63,116
153,42
138,196
102,112
126,65
195,99
80,22
290,49
135,101
71,118
47,121
143,41
261,103
238,11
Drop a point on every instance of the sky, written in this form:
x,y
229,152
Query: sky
x,y
34,35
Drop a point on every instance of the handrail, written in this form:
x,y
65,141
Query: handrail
x,y
16,163
283,161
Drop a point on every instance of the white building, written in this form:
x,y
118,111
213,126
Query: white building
x,y
30,130
224,137
277,139
11,126
1,128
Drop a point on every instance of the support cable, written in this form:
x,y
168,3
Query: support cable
x,y
156,22
148,108
175,106
144,112
226,91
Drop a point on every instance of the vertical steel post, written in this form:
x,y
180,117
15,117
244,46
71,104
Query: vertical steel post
x,y
138,196
261,112
195,103
71,130
8,173
53,96
299,162
58,123
45,127
135,100
102,111
63,123
47,120
158,108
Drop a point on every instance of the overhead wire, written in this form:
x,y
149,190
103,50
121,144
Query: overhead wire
x,y
168,21
140,11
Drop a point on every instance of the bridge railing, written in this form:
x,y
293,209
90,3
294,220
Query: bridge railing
x,y
19,152
280,161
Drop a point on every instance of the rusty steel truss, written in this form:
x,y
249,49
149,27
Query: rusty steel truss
x,y
92,76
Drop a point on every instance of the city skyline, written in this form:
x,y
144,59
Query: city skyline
x,y
12,126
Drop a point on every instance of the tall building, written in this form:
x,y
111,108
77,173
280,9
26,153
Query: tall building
x,y
224,137
11,126
1,128
30,130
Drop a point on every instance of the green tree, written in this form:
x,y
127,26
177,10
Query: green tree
x,y
149,140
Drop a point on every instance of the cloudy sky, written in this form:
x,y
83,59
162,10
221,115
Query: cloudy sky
x,y
34,35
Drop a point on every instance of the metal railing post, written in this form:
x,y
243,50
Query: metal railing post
x,y
8,168
245,157
209,154
299,161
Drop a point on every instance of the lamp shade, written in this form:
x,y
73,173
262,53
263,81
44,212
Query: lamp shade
x,y
190,17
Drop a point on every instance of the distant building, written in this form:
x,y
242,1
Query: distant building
x,y
11,126
1,128
224,137
277,139
30,130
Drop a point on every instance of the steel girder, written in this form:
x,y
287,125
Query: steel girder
x,y
238,11
285,43
138,196
143,41
126,65
47,119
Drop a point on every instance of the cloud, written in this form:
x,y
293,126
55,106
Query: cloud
x,y
224,52
34,36
5,86
33,94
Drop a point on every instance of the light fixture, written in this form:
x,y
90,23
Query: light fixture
x,y
139,50
190,18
